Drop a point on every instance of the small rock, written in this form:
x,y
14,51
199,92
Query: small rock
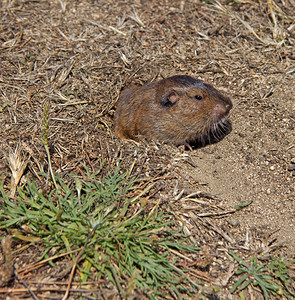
x,y
234,222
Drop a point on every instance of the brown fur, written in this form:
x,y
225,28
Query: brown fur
x,y
168,110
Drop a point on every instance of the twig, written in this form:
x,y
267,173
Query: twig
x,y
26,286
45,128
41,263
216,214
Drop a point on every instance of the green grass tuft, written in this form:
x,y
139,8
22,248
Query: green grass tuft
x,y
272,278
132,250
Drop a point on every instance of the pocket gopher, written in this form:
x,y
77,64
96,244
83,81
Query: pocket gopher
x,y
178,110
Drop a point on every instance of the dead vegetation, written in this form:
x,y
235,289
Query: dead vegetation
x,y
76,57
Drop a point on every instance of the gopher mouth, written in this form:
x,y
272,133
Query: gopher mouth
x,y
212,133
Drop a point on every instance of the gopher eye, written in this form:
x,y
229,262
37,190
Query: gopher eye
x,y
198,97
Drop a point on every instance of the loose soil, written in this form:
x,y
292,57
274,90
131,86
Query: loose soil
x,y
78,55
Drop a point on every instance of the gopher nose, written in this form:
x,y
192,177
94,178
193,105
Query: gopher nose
x,y
219,111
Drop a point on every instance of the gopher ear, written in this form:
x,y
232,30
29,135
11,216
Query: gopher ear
x,y
170,98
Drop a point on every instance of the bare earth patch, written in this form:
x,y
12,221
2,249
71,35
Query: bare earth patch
x,y
78,55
